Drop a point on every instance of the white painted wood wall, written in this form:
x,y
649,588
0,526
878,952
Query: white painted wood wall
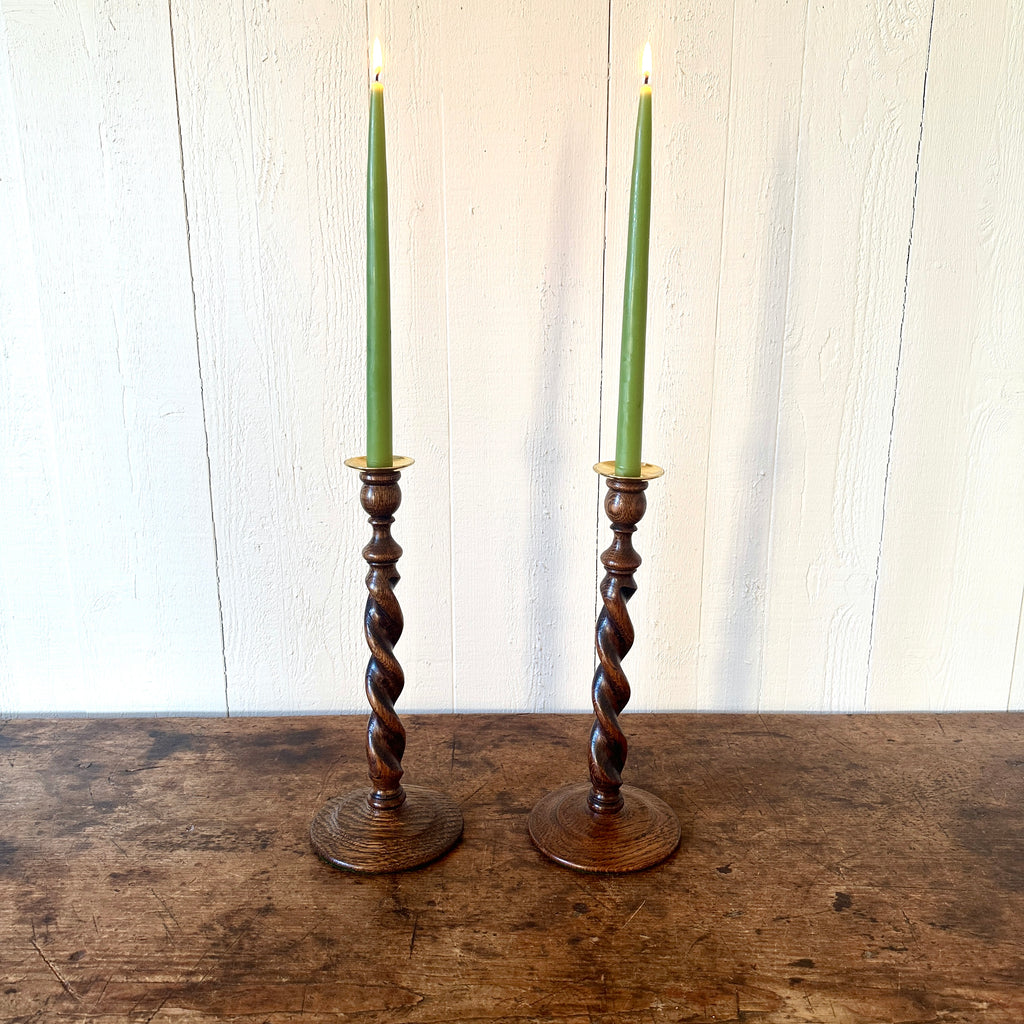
x,y
835,360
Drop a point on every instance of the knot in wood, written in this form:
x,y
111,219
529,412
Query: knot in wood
x,y
625,503
620,558
380,495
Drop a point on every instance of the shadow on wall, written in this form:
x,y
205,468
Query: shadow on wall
x,y
545,610
734,669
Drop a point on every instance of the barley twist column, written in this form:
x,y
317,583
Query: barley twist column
x,y
606,826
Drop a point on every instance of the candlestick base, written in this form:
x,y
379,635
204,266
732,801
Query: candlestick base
x,y
642,833
350,833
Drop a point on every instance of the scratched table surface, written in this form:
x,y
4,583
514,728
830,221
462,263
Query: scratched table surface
x,y
851,869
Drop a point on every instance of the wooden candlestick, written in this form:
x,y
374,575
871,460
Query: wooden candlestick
x,y
389,827
605,826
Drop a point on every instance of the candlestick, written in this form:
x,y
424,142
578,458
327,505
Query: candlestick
x,y
378,283
388,827
606,826
634,304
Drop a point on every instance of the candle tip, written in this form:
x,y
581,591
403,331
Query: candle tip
x,y
646,64
378,60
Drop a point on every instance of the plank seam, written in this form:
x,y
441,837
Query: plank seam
x,y
714,350
199,364
899,360
1016,647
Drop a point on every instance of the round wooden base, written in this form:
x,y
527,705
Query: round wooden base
x,y
643,833
347,833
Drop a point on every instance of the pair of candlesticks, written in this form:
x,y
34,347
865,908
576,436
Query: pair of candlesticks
x,y
601,826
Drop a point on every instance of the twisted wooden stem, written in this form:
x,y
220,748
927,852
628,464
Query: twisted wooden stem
x,y
383,623
625,504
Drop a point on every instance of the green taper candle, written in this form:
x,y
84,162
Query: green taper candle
x,y
634,303
378,284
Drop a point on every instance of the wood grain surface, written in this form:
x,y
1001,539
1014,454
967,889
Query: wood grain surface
x,y
849,869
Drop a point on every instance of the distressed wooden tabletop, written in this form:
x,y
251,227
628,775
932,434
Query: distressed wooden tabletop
x,y
851,869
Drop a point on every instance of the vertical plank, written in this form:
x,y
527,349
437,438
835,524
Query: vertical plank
x,y
692,55
859,130
952,563
108,537
211,68
758,208
524,136
36,600
274,103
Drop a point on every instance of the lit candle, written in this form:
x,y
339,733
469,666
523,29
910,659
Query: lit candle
x,y
378,284
634,304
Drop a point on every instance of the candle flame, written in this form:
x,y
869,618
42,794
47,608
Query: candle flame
x,y
378,60
646,63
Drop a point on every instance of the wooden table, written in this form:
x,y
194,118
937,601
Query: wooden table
x,y
851,869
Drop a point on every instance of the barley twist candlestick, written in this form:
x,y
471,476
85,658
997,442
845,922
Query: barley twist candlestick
x,y
607,826
389,827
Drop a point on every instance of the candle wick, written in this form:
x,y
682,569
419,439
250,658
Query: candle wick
x,y
647,79
376,76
